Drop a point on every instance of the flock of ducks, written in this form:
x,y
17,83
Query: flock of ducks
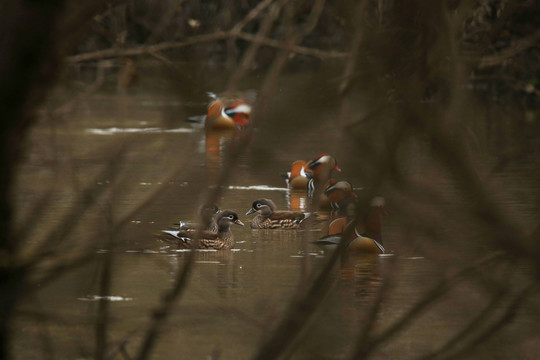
x,y
314,177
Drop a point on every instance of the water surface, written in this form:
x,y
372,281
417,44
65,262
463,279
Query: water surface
x,y
236,297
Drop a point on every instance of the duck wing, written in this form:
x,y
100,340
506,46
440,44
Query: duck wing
x,y
217,244
328,240
286,219
287,215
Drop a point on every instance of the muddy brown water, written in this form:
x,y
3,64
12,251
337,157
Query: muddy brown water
x,y
234,298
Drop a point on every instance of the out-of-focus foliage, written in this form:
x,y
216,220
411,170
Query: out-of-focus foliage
x,y
391,73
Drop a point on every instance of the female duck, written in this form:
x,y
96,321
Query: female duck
x,y
269,218
223,239
207,215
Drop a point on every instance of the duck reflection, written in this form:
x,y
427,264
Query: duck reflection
x,y
361,281
214,267
297,200
358,267
216,144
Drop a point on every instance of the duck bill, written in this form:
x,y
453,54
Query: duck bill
x,y
238,222
251,211
337,168
329,189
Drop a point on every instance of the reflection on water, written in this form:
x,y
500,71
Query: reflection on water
x,y
298,200
216,144
116,130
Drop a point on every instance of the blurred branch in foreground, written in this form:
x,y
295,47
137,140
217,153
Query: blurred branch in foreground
x,y
393,78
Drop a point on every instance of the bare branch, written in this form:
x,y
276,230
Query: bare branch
x,y
505,319
165,20
164,309
433,295
250,54
219,35
509,52
253,14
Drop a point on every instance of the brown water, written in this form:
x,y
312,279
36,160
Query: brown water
x,y
234,298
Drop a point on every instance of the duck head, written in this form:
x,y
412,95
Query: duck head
x,y
226,218
208,211
322,166
342,185
264,206
339,191
239,112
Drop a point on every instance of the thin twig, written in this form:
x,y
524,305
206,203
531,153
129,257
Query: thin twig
x,y
218,35
459,337
509,52
433,295
56,262
504,320
369,324
165,20
163,310
87,198
89,90
254,13
251,52
105,283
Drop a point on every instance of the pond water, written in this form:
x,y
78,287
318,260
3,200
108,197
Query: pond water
x,y
234,298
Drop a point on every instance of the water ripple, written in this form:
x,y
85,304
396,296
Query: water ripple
x,y
152,130
258,187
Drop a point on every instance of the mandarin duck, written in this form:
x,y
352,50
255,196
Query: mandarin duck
x,y
321,168
231,111
222,239
367,235
207,215
338,192
299,175
324,202
269,218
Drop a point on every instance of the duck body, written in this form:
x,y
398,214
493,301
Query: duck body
x,y
321,168
222,239
269,218
299,176
228,112
356,243
367,235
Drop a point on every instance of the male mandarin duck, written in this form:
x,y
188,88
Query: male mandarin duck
x,y
367,235
321,168
299,175
324,201
232,111
371,224
339,191
222,239
270,218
